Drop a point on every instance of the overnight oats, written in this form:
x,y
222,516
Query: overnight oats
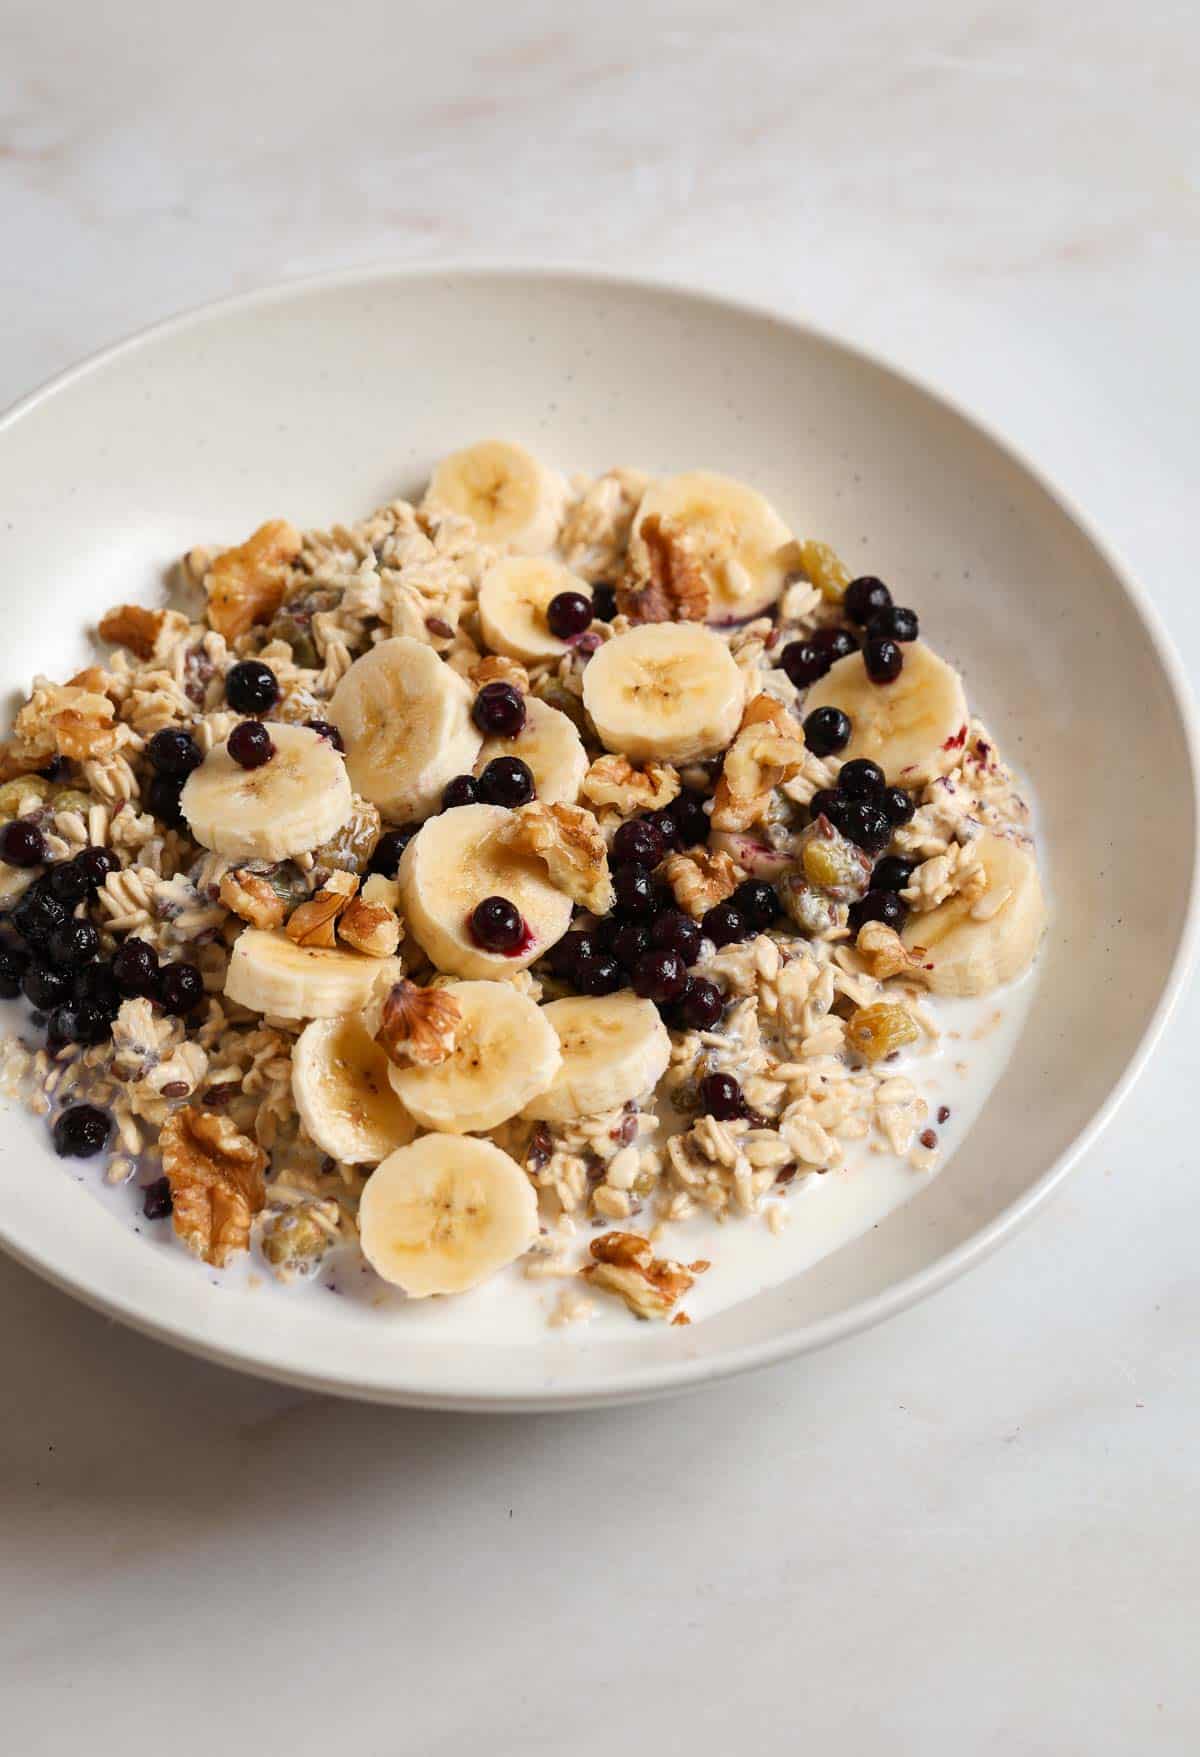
x,y
581,897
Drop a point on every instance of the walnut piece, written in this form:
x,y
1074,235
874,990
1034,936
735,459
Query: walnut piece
x,y
252,898
314,923
67,719
216,1179
885,954
418,1027
663,581
613,782
624,1263
767,750
699,878
569,841
372,928
496,668
246,585
139,629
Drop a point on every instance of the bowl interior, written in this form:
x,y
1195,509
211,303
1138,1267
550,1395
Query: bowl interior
x,y
320,401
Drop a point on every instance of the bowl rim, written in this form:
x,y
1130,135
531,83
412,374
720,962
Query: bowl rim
x,y
633,1385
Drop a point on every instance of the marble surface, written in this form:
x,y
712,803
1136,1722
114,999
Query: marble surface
x,y
975,1529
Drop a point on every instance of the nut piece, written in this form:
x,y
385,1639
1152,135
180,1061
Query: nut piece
x,y
570,842
74,720
768,750
372,928
625,1264
613,782
314,922
885,954
249,895
666,584
216,1179
496,668
700,878
132,626
878,1031
246,585
418,1027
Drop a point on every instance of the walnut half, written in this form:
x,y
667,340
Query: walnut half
x,y
418,1027
246,585
624,1263
314,923
569,841
216,1179
664,581
252,898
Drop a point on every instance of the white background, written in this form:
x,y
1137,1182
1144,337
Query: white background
x,y
973,1531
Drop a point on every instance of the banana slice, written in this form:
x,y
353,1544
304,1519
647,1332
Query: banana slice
x,y
507,1053
970,948
514,501
454,862
405,717
342,1092
735,533
513,595
666,691
614,1047
913,727
269,973
288,806
444,1214
551,745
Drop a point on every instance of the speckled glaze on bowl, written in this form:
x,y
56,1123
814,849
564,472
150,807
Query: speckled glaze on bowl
x,y
321,399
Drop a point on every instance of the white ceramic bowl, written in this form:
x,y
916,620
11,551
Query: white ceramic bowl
x,y
323,399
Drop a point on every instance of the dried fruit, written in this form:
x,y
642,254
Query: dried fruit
x,y
818,563
879,1030
295,1241
350,848
216,1179
833,863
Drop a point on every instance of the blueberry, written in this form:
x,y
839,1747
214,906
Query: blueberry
x,y
76,1022
863,824
597,973
80,1132
604,603
883,906
723,924
506,781
36,916
73,944
702,1005
824,802
690,818
162,800
674,931
569,613
44,987
14,961
629,941
180,988
566,953
826,731
385,857
894,624
638,841
67,883
721,1097
667,828
893,873
251,687
499,710
95,864
883,659
174,752
634,889
326,729
757,903
251,745
497,925
95,982
835,643
804,663
463,790
660,976
157,1201
861,779
22,844
897,806
865,598
135,968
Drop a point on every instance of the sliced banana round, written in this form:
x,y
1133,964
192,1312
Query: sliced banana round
x,y
405,717
913,728
550,743
735,533
444,1214
513,596
269,973
666,691
614,1047
453,862
972,947
289,806
342,1092
507,1052
513,500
